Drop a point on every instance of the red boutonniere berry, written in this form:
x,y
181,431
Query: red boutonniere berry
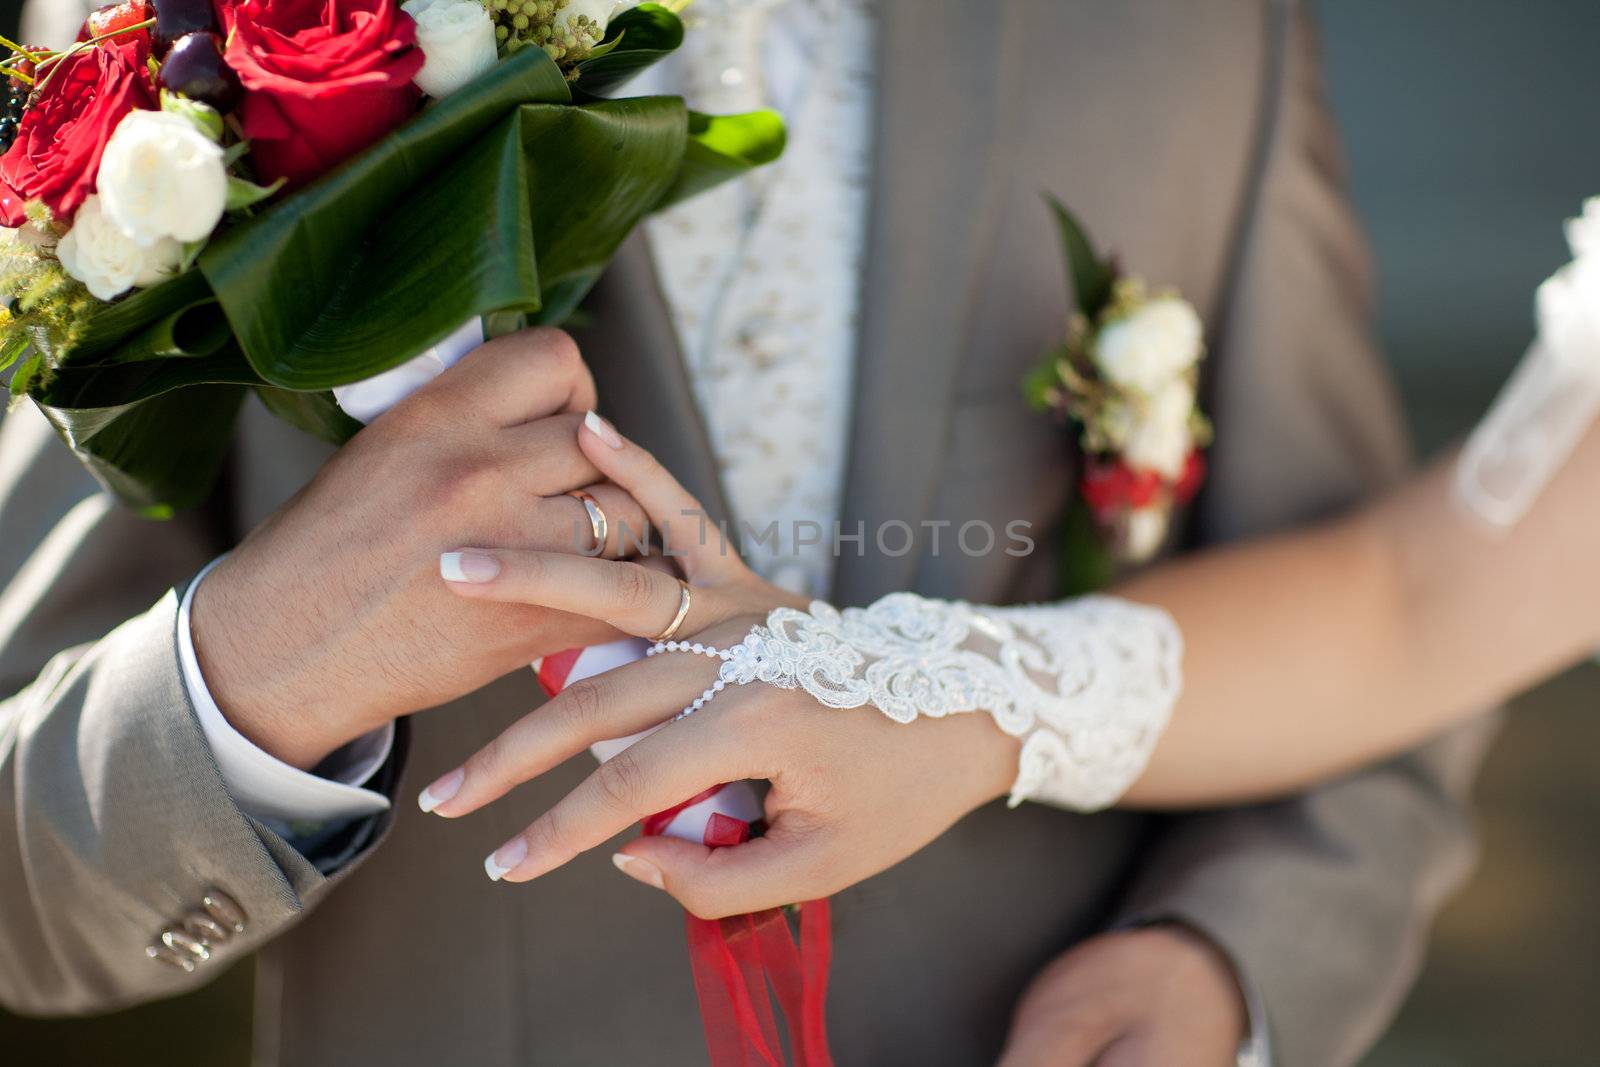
x,y
323,79
59,142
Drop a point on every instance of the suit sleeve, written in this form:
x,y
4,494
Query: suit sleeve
x,y
115,825
1323,900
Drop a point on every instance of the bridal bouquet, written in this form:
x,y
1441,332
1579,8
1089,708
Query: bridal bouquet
x,y
287,196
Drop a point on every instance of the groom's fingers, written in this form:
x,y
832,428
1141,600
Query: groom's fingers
x,y
628,596
664,769
782,868
514,379
615,704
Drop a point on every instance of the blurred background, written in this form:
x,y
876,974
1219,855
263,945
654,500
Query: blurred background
x,y
1473,130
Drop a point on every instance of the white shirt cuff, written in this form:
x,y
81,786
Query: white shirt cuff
x,y
267,788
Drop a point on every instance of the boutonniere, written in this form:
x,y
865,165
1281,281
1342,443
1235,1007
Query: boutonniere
x,y
1125,378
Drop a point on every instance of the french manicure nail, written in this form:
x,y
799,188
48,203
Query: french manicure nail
x,y
442,790
505,859
469,567
602,429
634,867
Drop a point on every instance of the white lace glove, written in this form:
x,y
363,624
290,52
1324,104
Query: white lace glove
x,y
1087,684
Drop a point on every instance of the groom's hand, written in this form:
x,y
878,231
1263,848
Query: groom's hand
x,y
1156,996
330,619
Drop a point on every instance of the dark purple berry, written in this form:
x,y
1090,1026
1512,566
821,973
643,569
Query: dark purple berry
x,y
177,18
194,67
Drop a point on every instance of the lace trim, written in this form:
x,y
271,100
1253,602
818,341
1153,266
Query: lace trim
x,y
1088,684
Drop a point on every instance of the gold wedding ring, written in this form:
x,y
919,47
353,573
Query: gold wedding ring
x,y
684,597
597,518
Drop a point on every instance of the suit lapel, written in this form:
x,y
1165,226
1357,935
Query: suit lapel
x,y
936,116
935,127
632,349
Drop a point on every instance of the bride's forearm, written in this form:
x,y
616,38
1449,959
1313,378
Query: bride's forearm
x,y
1315,652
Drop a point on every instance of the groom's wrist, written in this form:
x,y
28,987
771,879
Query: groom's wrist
x,y
254,685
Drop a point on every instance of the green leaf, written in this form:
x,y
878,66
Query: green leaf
x,y
634,40
114,324
584,200
160,448
1086,564
204,117
26,376
1092,276
500,323
723,147
318,414
389,253
108,387
197,330
1041,384
604,49
159,455
242,194
188,252
13,345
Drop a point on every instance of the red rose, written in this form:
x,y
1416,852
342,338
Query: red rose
x,y
323,79
57,151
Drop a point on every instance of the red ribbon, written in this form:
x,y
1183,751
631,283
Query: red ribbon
x,y
735,959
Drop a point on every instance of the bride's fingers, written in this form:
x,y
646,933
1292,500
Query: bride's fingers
x,y
635,599
781,868
673,510
615,704
664,769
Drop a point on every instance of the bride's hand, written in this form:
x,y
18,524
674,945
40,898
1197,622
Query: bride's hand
x,y
852,791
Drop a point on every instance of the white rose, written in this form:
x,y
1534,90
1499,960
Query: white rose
x,y
457,42
161,177
598,12
1159,438
1150,347
101,256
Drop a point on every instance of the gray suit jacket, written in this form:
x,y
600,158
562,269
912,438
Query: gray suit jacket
x,y
1194,139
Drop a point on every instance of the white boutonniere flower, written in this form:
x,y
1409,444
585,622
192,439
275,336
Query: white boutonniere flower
x,y
1161,437
1150,346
